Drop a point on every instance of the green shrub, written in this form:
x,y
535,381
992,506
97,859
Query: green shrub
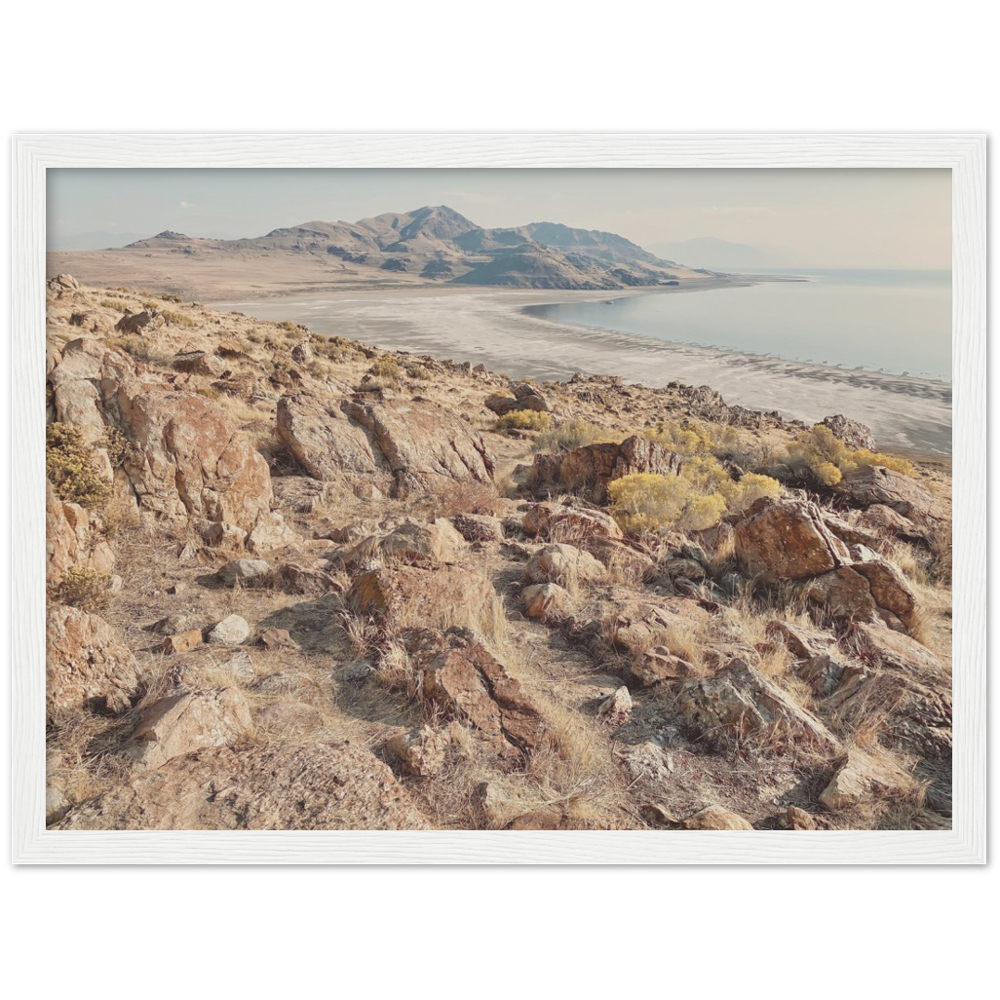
x,y
826,459
574,434
523,420
70,467
84,588
386,368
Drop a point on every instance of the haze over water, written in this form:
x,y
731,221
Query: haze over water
x,y
896,321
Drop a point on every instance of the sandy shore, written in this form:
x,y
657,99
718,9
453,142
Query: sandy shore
x,y
489,326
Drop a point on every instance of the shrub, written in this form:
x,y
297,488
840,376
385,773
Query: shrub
x,y
523,420
117,446
333,348
416,370
817,453
70,467
572,434
752,486
172,318
84,588
386,368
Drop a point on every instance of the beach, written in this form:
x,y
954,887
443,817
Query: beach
x,y
491,327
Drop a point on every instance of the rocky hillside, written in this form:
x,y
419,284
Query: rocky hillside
x,y
428,245
300,583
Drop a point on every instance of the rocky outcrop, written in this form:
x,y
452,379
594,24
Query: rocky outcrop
x,y
786,541
188,720
739,702
187,458
872,484
322,786
587,471
852,433
398,445
71,541
86,664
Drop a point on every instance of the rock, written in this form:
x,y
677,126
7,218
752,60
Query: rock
x,y
413,543
199,363
852,433
889,589
220,535
740,702
799,819
884,647
271,533
851,534
637,626
716,818
618,705
659,665
621,561
863,591
479,527
546,600
394,444
872,484
244,571
172,624
500,405
568,522
71,541
188,459
409,595
818,659
291,718
563,565
587,471
185,721
860,777
684,569
86,664
289,682
461,678
277,638
296,579
181,642
320,786
786,540
231,630
882,520
422,751
302,353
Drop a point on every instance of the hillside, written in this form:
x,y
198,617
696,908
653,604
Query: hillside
x,y
430,245
302,583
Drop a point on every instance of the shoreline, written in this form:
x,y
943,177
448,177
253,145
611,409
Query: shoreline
x,y
492,327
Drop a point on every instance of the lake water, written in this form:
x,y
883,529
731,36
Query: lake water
x,y
893,321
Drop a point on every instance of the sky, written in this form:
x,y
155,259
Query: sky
x,y
820,218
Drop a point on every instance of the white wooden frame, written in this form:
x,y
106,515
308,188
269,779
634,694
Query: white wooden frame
x,y
964,154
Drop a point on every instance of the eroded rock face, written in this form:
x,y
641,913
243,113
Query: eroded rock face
x,y
322,786
70,540
86,663
851,432
587,471
399,445
186,721
740,702
189,460
786,541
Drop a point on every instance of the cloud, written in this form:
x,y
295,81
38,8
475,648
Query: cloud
x,y
187,204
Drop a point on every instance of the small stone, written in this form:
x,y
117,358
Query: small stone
x,y
618,704
421,751
232,630
716,818
243,570
181,642
116,585
799,819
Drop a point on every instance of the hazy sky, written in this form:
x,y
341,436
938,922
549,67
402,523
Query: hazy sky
x,y
823,218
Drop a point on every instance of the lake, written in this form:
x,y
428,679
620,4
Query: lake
x,y
893,321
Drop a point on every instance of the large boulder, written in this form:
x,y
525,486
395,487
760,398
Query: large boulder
x,y
740,702
320,786
188,720
588,470
395,444
415,543
786,540
86,664
187,458
71,541
866,590
563,565
872,484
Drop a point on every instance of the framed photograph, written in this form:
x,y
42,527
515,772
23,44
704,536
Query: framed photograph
x,y
500,499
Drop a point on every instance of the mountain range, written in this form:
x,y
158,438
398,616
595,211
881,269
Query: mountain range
x,y
438,244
